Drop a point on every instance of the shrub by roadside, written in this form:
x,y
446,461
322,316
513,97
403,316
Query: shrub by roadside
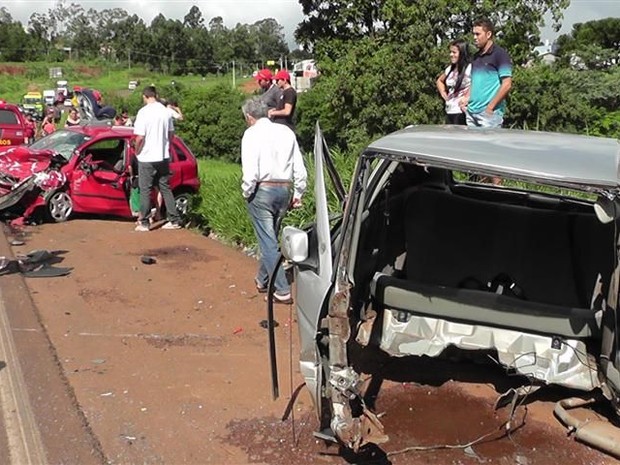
x,y
213,123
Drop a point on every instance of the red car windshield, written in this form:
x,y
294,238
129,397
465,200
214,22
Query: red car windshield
x,y
63,142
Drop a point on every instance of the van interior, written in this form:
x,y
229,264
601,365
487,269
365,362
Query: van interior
x,y
470,252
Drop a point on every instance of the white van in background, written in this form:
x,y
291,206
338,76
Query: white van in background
x,y
303,74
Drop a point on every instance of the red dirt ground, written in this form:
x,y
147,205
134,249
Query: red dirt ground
x,y
170,366
13,70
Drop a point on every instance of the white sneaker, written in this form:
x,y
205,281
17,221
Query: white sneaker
x,y
170,225
142,228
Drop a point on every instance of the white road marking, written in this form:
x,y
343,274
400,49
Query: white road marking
x,y
23,436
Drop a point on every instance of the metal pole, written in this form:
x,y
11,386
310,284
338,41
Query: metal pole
x,y
233,74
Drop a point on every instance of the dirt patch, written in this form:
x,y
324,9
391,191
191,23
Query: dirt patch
x,y
178,256
13,70
187,340
88,71
96,295
438,419
250,87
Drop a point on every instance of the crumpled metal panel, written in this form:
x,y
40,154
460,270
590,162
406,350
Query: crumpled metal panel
x,y
565,363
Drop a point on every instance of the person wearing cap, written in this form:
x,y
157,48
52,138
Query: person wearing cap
x,y
285,110
101,111
270,91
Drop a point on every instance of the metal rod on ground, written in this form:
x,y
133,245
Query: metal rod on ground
x,y
273,363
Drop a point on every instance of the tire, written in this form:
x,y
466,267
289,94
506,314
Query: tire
x,y
183,202
59,206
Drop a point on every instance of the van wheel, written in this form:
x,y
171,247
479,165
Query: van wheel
x,y
59,206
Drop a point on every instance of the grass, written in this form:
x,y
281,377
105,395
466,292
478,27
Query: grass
x,y
112,80
220,207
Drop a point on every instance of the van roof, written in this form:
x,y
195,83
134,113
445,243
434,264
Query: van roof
x,y
562,159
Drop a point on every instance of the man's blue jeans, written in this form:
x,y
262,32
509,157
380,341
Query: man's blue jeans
x,y
485,120
267,208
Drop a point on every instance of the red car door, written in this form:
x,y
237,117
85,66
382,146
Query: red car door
x,y
98,178
184,168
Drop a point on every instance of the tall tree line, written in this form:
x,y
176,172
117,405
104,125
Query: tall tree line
x,y
179,47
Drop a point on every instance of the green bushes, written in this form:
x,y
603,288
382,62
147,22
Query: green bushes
x,y
213,123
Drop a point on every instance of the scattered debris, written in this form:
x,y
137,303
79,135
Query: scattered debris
x,y
148,259
17,242
265,324
35,264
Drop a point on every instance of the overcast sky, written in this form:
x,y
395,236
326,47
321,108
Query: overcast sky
x,y
286,12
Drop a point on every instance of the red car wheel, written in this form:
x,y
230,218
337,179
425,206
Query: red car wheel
x,y
59,206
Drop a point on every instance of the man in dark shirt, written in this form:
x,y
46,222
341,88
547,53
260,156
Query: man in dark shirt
x,y
285,110
491,79
270,92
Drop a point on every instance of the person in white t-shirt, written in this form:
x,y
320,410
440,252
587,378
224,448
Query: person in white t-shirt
x,y
453,84
273,180
153,132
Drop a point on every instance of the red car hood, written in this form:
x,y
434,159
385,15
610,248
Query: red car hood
x,y
21,162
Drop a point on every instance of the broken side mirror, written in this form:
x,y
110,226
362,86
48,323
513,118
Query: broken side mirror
x,y
607,209
294,244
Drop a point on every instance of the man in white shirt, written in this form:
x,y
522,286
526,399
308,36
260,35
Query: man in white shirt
x,y
153,132
274,179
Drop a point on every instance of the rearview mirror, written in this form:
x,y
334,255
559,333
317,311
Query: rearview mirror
x,y
294,244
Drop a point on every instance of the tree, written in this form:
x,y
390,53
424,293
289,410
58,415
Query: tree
x,y
200,43
13,39
596,43
269,40
223,52
79,33
193,19
379,59
428,21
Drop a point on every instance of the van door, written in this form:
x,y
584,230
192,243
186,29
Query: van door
x,y
314,278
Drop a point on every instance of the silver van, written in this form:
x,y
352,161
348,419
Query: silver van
x,y
502,241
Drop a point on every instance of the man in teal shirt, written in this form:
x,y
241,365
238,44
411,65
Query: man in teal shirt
x,y
491,79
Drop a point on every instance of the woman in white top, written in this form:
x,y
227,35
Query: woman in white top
x,y
453,84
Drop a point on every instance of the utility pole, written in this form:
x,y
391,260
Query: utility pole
x,y
233,73
129,59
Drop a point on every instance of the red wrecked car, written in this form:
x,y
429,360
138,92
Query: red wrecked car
x,y
83,169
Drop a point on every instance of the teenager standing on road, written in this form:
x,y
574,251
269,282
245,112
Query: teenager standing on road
x,y
453,84
153,132
273,171
491,79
